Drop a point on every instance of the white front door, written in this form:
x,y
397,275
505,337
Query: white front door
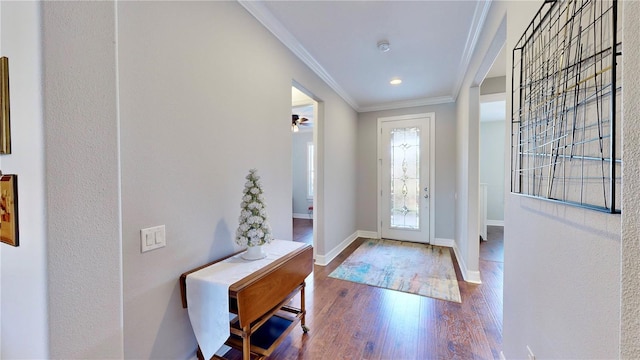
x,y
405,186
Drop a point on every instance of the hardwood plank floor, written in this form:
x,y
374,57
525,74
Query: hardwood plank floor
x,y
493,249
356,321
303,230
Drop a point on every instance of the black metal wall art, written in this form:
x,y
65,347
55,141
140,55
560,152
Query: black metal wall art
x,y
566,98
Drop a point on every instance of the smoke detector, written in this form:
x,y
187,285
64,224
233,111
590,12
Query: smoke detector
x,y
383,46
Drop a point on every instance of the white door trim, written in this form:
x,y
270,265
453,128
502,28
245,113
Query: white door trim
x,y
432,166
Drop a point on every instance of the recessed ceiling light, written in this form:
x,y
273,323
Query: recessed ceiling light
x,y
395,81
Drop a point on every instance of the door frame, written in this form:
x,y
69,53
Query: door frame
x,y
432,165
318,163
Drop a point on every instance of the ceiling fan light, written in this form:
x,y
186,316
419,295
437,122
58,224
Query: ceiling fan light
x,y
295,128
395,81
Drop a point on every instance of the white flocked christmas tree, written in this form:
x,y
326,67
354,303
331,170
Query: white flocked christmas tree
x,y
254,229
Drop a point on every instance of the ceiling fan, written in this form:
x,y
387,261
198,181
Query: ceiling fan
x,y
296,121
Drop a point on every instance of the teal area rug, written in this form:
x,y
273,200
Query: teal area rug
x,y
403,266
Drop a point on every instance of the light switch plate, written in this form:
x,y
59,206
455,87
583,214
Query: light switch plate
x,y
152,238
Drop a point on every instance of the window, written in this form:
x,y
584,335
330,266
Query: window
x,y
310,170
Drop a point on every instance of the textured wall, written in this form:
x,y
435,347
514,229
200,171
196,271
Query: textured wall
x,y
150,124
201,102
81,127
562,264
552,265
630,287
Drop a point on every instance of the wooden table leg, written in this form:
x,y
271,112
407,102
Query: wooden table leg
x,y
246,343
305,329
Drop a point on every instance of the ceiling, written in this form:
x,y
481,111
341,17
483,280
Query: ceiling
x,y
431,43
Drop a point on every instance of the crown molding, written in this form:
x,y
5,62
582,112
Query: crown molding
x,y
479,16
496,45
408,103
260,11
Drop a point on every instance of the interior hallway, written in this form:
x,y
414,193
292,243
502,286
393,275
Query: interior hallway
x,y
303,230
356,321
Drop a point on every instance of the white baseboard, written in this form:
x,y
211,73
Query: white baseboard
x,y
443,242
302,216
324,260
495,222
468,275
368,234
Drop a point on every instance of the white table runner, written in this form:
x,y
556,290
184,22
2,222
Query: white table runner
x,y
208,293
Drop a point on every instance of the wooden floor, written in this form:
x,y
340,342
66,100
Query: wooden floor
x,y
303,230
355,321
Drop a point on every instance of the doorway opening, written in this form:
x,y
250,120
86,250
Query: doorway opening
x,y
492,165
492,174
304,120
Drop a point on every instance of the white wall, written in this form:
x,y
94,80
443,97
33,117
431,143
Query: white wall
x,y
467,181
492,153
467,144
562,263
630,286
201,102
339,138
146,124
555,256
82,172
24,324
300,172
445,167
494,85
492,167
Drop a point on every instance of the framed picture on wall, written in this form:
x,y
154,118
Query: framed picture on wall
x,y
9,209
5,124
